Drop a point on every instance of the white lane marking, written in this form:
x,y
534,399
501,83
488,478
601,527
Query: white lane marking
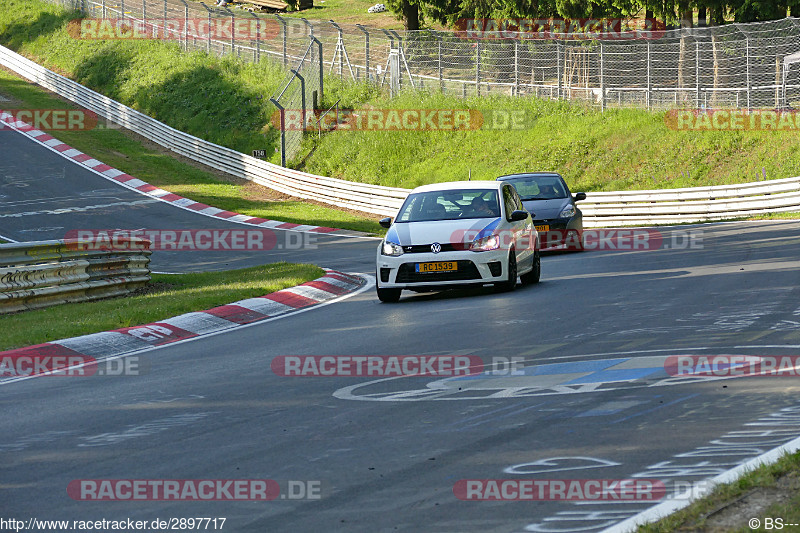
x,y
9,239
77,209
369,284
552,464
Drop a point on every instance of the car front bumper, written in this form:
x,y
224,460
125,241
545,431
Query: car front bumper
x,y
473,268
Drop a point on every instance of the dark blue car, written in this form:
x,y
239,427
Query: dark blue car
x,y
546,196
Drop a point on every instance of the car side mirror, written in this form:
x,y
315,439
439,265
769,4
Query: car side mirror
x,y
518,215
386,222
580,196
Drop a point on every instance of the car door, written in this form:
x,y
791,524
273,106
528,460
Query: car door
x,y
521,231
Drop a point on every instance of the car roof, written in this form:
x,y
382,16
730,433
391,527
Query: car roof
x,y
528,174
459,185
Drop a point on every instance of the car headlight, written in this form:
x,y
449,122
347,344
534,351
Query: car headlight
x,y
390,248
484,244
567,212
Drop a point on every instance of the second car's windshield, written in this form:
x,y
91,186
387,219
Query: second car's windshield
x,y
449,205
539,188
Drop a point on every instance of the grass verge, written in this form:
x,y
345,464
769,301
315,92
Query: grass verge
x,y
777,483
167,295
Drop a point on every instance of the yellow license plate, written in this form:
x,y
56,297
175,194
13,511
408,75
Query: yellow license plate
x,y
440,266
543,227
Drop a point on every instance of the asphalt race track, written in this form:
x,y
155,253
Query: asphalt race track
x,y
43,195
589,399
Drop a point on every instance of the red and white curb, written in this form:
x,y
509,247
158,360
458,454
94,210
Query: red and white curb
x,y
110,344
126,180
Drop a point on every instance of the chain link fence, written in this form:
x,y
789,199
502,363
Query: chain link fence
x,y
735,65
297,98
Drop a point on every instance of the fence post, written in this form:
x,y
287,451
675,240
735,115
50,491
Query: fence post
x,y
165,20
233,32
103,4
559,59
283,24
208,40
302,94
122,9
697,73
366,48
144,13
321,67
258,37
649,79
439,63
185,25
602,80
478,68
747,67
282,112
516,68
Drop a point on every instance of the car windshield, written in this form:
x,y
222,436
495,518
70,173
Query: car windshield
x,y
449,205
539,187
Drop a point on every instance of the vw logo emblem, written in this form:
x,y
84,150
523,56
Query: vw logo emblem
x,y
436,247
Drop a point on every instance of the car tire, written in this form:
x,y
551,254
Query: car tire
x,y
511,283
389,295
533,276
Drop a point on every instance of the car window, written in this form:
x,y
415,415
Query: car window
x,y
449,205
539,187
508,200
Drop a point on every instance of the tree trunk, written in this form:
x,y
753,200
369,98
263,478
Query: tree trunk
x,y
686,18
702,21
410,15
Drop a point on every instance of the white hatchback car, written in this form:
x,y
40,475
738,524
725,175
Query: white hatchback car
x,y
454,234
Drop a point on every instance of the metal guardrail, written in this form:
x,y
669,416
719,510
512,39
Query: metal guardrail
x,y
45,273
600,209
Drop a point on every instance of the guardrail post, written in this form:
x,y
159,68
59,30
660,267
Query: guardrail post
x,y
284,31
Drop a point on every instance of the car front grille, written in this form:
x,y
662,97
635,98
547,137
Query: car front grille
x,y
466,271
426,248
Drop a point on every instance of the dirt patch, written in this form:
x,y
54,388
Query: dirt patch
x,y
734,515
153,288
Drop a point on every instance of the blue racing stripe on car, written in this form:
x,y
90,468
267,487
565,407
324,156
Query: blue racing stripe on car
x,y
392,236
488,230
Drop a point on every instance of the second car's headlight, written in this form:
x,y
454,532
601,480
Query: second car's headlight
x,y
390,248
484,244
567,212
